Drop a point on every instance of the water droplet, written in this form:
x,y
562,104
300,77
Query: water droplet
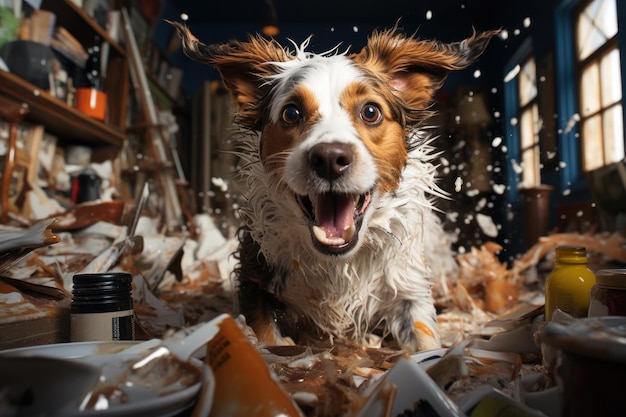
x,y
512,74
487,225
458,183
571,123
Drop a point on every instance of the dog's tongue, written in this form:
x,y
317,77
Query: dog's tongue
x,y
334,215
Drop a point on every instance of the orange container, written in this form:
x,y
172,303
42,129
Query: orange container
x,y
91,102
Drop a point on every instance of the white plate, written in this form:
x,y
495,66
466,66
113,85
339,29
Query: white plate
x,y
428,358
413,388
97,353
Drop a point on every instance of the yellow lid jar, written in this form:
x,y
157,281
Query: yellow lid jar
x,y
568,287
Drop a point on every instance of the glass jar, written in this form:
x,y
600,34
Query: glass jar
x,y
568,287
608,296
102,307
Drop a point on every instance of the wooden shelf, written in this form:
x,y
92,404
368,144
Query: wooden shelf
x,y
58,118
79,23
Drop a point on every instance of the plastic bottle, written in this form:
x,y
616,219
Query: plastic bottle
x,y
568,287
102,308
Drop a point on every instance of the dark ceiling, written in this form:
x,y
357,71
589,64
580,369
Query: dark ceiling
x,y
340,22
377,12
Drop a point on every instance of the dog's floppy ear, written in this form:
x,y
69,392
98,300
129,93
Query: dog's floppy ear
x,y
243,66
415,69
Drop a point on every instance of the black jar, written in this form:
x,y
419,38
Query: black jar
x,y
102,307
88,187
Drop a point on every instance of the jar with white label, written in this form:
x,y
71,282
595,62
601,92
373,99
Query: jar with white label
x,y
102,307
608,296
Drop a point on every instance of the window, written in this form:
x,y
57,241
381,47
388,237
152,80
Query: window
x,y
529,124
600,86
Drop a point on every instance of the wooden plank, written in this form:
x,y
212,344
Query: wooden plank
x,y
156,140
57,116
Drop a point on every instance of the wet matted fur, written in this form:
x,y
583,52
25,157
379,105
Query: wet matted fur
x,y
339,236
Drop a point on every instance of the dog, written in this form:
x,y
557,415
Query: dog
x,y
340,234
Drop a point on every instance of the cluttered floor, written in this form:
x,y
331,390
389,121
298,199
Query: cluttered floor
x,y
494,355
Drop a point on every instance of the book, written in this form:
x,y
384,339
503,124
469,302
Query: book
x,y
42,24
68,46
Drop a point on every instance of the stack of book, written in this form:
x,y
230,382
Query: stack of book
x,y
38,27
68,46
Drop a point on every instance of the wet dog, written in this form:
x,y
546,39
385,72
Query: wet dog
x,y
339,235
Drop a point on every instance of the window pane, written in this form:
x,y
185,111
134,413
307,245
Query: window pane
x,y
613,135
590,89
584,29
592,153
607,18
601,124
527,82
596,24
530,146
610,78
527,129
529,177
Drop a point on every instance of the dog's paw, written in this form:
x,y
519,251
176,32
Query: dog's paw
x,y
427,339
417,336
268,334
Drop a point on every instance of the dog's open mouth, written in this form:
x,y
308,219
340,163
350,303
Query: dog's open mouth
x,y
335,219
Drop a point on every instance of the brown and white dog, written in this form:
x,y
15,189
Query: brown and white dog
x,y
339,231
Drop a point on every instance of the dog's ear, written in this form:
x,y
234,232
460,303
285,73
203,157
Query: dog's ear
x,y
243,66
415,69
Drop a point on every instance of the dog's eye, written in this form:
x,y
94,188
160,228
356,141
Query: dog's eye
x,y
291,114
371,114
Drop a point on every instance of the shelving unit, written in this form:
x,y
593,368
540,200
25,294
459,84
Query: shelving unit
x,y
59,118
124,123
82,26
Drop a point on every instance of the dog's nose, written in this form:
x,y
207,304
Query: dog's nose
x,y
330,160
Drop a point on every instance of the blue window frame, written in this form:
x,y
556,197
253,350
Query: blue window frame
x,y
571,173
511,108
